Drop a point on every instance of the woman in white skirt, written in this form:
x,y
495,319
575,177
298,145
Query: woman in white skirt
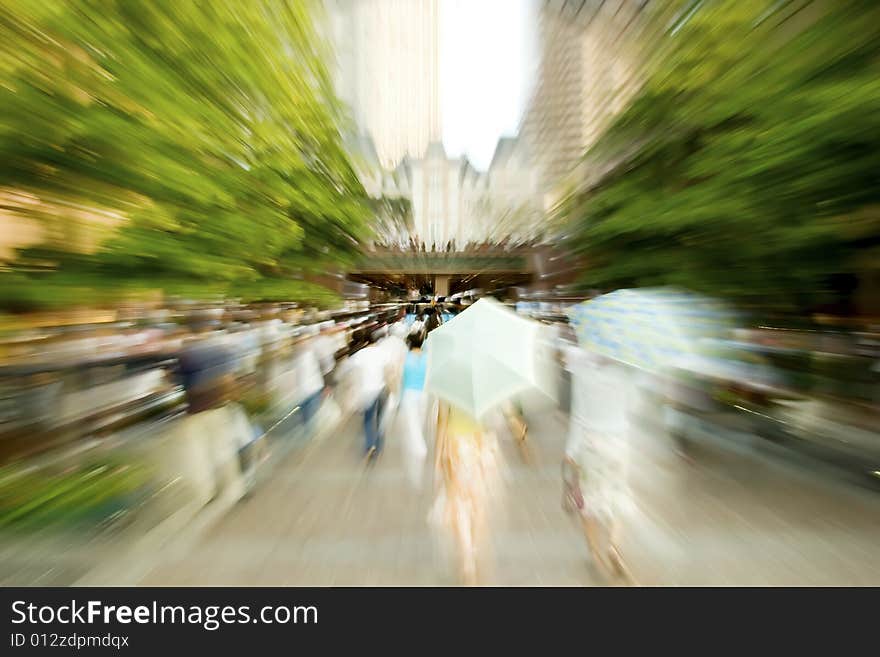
x,y
597,453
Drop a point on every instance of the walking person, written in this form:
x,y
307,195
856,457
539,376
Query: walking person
x,y
566,343
432,319
369,372
417,325
395,346
467,475
208,368
597,454
325,347
413,412
519,428
309,378
397,349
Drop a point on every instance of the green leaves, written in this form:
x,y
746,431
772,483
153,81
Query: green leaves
x,y
752,140
211,127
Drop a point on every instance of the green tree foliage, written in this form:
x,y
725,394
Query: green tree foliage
x,y
393,215
212,127
749,164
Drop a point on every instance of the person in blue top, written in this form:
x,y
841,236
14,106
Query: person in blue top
x,y
413,406
415,365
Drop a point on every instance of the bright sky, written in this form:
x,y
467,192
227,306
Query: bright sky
x,y
486,69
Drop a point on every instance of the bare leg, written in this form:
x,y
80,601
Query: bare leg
x,y
481,543
593,534
520,430
615,559
603,540
466,548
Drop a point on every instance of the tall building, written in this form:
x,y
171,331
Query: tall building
x,y
590,56
436,197
387,70
512,191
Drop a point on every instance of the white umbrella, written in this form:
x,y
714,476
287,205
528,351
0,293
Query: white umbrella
x,y
484,356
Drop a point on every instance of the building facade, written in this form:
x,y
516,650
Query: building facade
x,y
453,203
512,188
591,53
387,70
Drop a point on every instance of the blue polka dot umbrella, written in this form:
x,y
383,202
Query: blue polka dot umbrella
x,y
649,328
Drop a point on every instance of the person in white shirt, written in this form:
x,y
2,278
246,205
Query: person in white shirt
x,y
417,326
369,369
396,349
395,344
309,378
325,349
597,452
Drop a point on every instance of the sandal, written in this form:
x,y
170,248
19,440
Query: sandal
x,y
618,567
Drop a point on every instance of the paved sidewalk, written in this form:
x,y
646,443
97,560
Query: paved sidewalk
x,y
324,518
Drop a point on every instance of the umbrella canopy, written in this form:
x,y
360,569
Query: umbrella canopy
x,y
483,357
649,328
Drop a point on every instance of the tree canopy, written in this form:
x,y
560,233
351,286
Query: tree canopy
x,y
748,165
210,128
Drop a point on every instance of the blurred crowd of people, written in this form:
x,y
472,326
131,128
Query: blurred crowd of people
x,y
267,362
258,368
